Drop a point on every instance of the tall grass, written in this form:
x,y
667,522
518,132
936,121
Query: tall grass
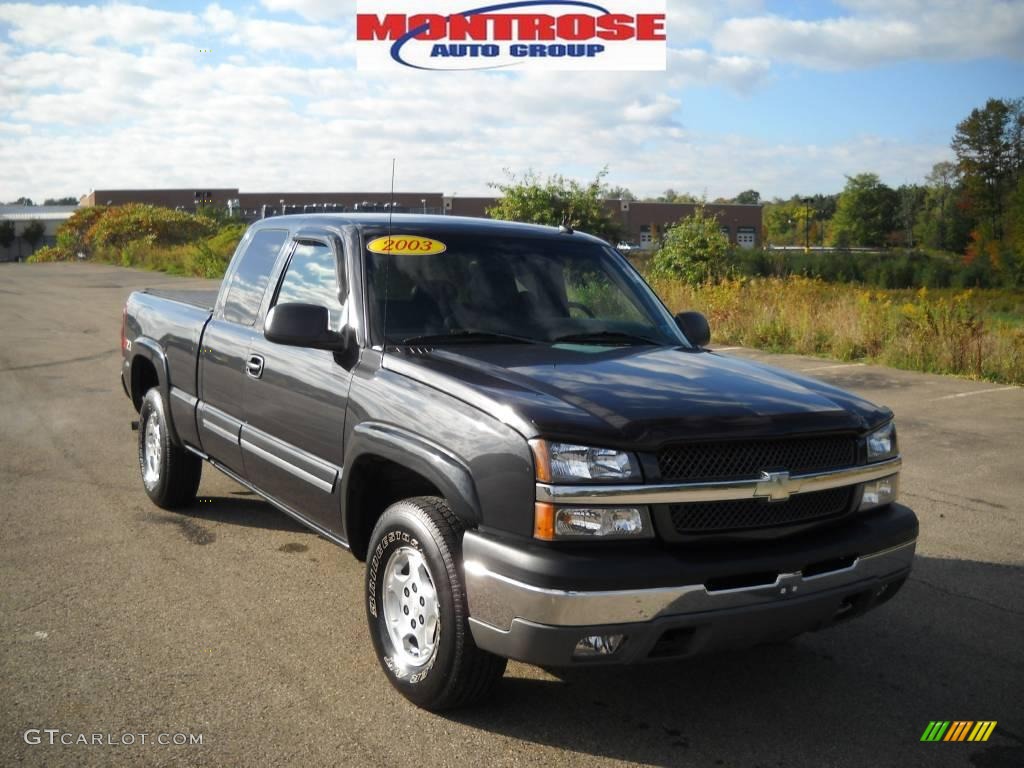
x,y
949,333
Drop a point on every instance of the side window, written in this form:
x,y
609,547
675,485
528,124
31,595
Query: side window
x,y
249,282
312,278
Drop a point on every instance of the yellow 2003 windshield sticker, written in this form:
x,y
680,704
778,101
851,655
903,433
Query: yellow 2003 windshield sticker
x,y
407,245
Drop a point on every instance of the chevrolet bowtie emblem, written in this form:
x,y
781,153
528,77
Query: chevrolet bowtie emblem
x,y
775,486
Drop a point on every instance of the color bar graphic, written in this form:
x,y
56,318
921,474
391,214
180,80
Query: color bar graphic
x,y
958,730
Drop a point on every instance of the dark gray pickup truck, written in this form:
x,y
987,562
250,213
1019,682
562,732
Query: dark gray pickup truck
x,y
534,458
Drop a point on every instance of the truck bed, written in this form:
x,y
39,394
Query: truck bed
x,y
200,299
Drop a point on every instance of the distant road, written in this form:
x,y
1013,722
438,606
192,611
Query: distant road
x,y
230,621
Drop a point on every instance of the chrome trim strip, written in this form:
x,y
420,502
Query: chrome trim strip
x,y
497,600
185,397
277,461
681,493
218,430
219,423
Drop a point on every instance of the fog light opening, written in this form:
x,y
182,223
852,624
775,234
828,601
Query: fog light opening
x,y
880,493
596,646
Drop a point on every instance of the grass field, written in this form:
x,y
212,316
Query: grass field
x,y
976,333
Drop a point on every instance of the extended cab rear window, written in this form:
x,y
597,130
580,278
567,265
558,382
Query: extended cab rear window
x,y
250,278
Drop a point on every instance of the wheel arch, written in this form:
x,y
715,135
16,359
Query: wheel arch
x,y
149,368
385,464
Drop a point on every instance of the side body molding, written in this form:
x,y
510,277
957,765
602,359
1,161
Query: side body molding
x,y
432,461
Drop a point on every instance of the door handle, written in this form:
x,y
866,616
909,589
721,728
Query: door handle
x,y
254,366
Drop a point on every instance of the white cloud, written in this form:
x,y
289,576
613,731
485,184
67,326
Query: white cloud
x,y
262,35
72,26
97,96
314,10
882,31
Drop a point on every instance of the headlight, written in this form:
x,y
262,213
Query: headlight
x,y
553,523
565,462
882,443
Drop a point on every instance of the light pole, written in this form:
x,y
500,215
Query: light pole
x,y
807,225
282,206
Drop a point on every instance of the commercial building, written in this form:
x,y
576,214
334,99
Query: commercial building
x,y
643,224
20,216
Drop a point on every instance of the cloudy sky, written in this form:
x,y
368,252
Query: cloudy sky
x,y
783,97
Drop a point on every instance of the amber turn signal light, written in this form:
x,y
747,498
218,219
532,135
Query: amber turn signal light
x,y
544,521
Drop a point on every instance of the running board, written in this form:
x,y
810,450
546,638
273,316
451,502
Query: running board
x,y
299,518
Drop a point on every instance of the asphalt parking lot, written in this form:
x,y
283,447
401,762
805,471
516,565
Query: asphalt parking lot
x,y
233,622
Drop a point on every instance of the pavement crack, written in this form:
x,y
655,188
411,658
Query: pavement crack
x,y
961,595
52,363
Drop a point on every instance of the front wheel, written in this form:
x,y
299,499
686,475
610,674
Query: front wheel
x,y
416,608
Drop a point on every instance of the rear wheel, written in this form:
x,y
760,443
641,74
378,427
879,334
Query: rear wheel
x,y
170,474
416,608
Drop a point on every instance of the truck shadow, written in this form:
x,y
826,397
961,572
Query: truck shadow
x,y
947,648
242,508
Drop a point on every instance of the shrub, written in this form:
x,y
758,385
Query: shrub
x,y
50,253
694,250
71,235
147,223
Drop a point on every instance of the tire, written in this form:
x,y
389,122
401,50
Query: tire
x,y
170,474
416,548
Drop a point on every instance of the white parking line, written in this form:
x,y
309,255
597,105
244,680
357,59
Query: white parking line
x,y
832,367
972,394
726,349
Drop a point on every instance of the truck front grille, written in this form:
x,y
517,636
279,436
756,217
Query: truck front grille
x,y
745,514
698,462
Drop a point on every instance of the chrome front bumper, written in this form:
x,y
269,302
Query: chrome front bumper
x,y
497,601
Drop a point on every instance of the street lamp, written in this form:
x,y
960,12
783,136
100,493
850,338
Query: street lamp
x,y
282,206
424,201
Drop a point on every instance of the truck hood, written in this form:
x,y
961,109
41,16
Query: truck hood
x,y
635,397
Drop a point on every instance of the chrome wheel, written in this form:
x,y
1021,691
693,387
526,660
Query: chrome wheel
x,y
152,450
410,607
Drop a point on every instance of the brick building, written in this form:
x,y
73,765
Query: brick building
x,y
642,223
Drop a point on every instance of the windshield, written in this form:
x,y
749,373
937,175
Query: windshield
x,y
512,290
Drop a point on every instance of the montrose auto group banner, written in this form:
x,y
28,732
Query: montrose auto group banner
x,y
451,35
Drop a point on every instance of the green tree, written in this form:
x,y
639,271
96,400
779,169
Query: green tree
x,y
748,197
932,228
694,250
33,233
911,200
619,193
866,213
61,201
989,147
6,233
554,200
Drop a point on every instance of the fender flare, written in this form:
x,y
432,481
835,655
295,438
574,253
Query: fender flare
x,y
434,462
147,348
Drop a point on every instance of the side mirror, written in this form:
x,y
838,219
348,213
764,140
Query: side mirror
x,y
303,325
695,327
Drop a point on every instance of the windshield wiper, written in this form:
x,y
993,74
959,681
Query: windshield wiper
x,y
604,337
468,337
